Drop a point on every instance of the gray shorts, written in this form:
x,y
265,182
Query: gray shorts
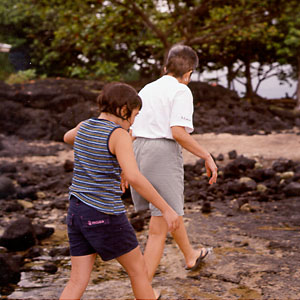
x,y
161,162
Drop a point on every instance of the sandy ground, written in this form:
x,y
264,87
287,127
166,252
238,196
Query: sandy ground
x,y
262,147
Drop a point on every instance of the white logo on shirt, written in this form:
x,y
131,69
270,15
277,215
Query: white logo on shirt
x,y
185,118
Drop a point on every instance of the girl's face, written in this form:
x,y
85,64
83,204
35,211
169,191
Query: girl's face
x,y
127,123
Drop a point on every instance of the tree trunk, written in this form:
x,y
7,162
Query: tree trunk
x,y
249,88
298,86
230,76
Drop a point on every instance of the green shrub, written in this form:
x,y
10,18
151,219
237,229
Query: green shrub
x,y
21,76
6,67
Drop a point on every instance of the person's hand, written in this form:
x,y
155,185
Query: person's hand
x,y
124,183
172,219
211,170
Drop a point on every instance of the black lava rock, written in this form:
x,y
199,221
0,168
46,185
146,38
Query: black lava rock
x,y
19,235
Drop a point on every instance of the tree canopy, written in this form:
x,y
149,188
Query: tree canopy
x,y
124,39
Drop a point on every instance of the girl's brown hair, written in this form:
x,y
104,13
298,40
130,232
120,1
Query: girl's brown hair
x,y
181,59
115,95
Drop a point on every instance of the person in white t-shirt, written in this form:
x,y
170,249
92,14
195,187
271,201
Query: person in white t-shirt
x,y
160,129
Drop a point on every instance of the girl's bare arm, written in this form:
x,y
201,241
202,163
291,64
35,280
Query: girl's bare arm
x,y
70,135
120,144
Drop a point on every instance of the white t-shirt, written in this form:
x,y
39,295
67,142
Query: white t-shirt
x,y
166,103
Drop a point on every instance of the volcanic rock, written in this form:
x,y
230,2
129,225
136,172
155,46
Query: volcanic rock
x,y
7,188
9,269
19,235
50,267
42,232
232,154
292,189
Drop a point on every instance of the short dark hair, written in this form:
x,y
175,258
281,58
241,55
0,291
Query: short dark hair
x,y
115,95
180,60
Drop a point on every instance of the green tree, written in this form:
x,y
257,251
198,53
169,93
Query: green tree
x,y
116,39
287,43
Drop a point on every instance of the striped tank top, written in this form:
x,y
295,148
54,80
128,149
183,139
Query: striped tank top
x,y
96,179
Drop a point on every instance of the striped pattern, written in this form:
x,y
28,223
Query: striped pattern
x,y
96,179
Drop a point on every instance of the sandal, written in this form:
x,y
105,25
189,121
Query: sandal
x,y
203,254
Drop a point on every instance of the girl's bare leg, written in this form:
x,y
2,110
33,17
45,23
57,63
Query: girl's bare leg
x,y
158,230
80,274
134,264
181,238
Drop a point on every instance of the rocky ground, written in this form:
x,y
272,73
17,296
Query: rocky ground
x,y
255,235
250,217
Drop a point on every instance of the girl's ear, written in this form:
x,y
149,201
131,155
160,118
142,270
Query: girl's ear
x,y
124,112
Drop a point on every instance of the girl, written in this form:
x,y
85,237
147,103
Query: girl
x,y
96,218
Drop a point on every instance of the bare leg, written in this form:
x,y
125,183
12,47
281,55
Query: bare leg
x,y
158,230
134,264
80,275
181,238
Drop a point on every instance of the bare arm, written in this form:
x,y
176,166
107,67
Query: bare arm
x,y
70,135
120,144
190,144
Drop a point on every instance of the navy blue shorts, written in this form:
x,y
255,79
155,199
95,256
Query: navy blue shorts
x,y
91,231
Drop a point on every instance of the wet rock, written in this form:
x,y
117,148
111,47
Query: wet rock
x,y
263,198
31,213
287,175
296,177
7,188
292,189
247,208
42,232
25,204
68,165
261,174
241,186
244,163
9,269
232,154
12,206
199,167
60,204
297,168
231,170
6,167
138,223
50,268
261,188
237,203
282,165
27,192
24,181
206,207
235,187
33,252
65,251
19,235
249,183
138,220
269,173
220,157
